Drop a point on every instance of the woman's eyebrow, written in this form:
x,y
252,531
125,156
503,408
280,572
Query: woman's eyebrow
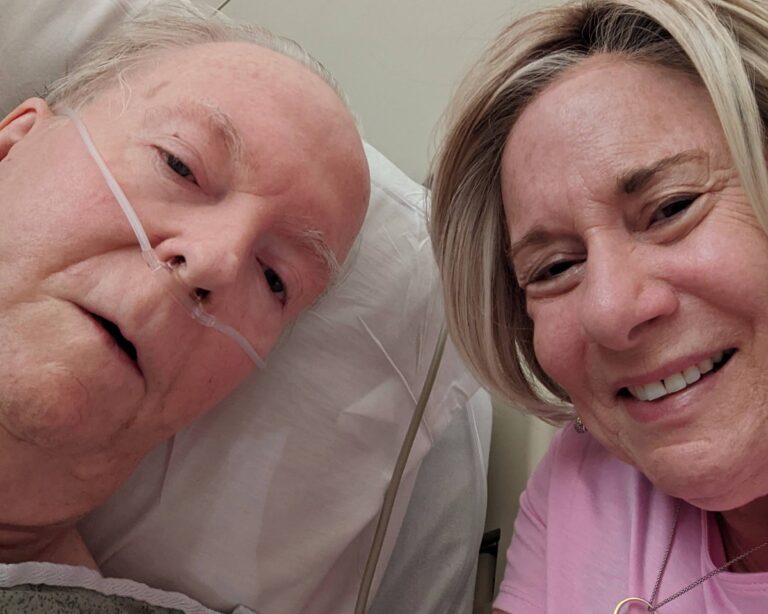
x,y
629,182
636,179
535,237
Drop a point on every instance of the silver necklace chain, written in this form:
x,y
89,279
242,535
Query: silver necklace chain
x,y
655,606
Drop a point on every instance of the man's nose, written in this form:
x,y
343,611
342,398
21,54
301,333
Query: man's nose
x,y
212,259
624,294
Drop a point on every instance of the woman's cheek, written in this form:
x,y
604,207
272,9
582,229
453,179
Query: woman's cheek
x,y
555,345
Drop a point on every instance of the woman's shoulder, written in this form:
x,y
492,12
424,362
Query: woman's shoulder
x,y
575,516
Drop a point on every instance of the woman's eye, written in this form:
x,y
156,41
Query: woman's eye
x,y
274,282
552,270
178,166
671,209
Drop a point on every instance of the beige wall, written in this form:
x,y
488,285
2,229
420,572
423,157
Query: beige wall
x,y
518,442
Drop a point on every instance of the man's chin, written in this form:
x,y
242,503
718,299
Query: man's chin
x,y
55,406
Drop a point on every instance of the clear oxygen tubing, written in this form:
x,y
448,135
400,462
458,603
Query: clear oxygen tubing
x,y
397,474
162,271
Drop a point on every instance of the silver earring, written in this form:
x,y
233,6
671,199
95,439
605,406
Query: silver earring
x,y
578,426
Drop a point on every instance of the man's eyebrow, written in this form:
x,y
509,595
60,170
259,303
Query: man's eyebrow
x,y
215,121
636,179
310,240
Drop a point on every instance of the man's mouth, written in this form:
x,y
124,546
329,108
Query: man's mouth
x,y
678,381
114,331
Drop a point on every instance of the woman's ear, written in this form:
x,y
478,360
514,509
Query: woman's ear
x,y
20,122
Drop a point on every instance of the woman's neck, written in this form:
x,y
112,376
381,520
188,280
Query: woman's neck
x,y
742,529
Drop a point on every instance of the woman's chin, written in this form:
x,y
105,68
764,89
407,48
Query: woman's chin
x,y
715,491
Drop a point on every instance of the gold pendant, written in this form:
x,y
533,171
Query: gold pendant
x,y
624,602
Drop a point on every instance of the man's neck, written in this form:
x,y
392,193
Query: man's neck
x,y
42,500
741,530
62,545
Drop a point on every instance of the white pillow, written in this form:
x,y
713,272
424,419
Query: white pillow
x,y
271,499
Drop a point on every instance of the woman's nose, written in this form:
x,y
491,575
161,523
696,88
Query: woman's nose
x,y
623,294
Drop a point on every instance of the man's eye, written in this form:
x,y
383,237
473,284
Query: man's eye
x,y
274,282
672,209
178,167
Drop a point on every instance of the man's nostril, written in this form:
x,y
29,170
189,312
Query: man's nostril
x,y
201,294
177,261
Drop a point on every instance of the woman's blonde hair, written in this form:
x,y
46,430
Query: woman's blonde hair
x,y
724,43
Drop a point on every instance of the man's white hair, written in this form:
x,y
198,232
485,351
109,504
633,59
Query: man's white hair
x,y
165,25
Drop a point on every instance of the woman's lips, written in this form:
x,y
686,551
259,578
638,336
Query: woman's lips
x,y
675,382
676,405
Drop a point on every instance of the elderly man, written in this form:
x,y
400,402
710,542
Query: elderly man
x,y
247,174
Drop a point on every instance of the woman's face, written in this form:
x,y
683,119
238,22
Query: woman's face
x,y
646,275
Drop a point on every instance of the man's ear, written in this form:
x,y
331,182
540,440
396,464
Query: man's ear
x,y
21,121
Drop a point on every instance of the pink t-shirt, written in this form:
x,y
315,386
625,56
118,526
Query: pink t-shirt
x,y
592,531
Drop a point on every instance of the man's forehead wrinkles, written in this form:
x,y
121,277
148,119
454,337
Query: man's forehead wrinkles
x,y
156,89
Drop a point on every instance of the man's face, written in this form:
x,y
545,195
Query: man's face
x,y
241,166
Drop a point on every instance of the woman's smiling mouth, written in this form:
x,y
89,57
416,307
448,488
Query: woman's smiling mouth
x,y
678,381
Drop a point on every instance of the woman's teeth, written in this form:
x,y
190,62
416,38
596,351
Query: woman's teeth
x,y
676,382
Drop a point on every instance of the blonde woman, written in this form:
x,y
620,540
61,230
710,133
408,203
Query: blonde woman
x,y
599,220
